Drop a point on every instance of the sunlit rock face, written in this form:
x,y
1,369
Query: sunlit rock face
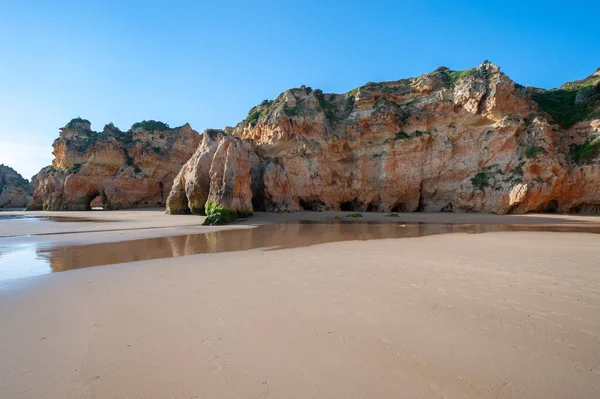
x,y
111,168
15,191
445,141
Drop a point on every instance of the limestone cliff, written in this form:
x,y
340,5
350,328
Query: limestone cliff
x,y
114,169
446,141
15,191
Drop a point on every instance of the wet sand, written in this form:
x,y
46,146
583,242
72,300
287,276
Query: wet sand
x,y
494,315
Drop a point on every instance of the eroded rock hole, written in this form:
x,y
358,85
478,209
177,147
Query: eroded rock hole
x,y
350,206
400,207
447,208
95,202
311,205
550,207
585,208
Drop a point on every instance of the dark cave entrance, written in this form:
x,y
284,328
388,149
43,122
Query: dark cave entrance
x,y
161,187
351,206
400,207
311,205
347,206
585,208
95,201
550,207
372,207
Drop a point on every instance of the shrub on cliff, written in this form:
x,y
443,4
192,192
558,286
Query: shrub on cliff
x,y
327,106
258,111
150,126
581,153
481,181
76,121
533,151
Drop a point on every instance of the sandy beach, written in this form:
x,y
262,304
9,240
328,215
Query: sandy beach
x,y
494,315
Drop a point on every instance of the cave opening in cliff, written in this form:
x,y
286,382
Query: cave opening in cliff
x,y
161,188
448,208
585,208
400,207
258,202
549,207
350,206
311,205
94,202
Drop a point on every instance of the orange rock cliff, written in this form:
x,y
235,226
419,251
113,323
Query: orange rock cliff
x,y
112,168
446,141
15,191
458,141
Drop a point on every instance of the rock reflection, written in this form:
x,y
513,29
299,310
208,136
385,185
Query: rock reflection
x,y
270,237
60,219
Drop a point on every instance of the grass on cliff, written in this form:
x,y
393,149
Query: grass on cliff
x,y
258,111
533,151
451,77
582,153
327,106
561,106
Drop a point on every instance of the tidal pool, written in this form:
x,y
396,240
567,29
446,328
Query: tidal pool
x,y
25,260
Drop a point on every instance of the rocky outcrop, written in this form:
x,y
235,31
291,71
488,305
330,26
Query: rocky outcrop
x,y
446,141
15,191
112,168
220,172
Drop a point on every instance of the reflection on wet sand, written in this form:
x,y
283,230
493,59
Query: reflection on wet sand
x,y
272,236
65,219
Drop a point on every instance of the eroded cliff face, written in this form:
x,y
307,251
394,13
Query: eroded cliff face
x,y
15,191
445,141
112,168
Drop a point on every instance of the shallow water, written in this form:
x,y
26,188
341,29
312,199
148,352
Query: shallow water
x,y
29,259
39,218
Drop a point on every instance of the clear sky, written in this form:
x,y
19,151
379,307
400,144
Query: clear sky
x,y
209,62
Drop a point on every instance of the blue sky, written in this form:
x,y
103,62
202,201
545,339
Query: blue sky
x,y
208,63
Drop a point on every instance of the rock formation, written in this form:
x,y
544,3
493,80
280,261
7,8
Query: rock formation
x,y
15,191
446,141
116,169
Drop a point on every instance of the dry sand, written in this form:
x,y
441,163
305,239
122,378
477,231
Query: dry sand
x,y
495,315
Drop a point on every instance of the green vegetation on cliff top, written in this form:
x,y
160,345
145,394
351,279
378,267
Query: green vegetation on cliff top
x,y
450,77
572,103
71,124
257,111
150,126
